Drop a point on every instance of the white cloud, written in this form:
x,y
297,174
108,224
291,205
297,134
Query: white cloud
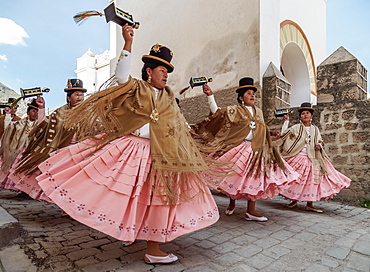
x,y
3,57
11,33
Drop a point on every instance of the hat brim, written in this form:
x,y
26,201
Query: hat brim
x,y
248,87
149,58
32,106
73,89
305,108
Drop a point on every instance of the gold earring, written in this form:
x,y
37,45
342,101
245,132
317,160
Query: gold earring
x,y
149,79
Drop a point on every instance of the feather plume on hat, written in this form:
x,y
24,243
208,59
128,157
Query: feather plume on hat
x,y
80,17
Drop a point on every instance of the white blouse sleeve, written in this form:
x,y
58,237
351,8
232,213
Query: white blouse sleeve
x,y
122,71
212,103
285,126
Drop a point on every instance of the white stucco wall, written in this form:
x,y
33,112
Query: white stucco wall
x,y
269,34
217,39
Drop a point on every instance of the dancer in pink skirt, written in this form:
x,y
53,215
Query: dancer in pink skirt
x,y
238,135
14,140
48,136
142,177
302,146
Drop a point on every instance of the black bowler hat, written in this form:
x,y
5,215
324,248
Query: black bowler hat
x,y
246,83
161,55
306,106
74,84
33,105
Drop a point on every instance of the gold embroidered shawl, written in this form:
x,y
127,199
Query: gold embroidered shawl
x,y
229,126
45,138
120,110
2,125
14,139
293,141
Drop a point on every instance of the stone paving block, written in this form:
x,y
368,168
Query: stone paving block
x,y
133,257
241,268
260,233
83,253
52,247
210,267
196,260
228,259
175,267
68,249
186,241
244,240
259,261
353,235
12,258
317,268
61,266
189,251
111,254
276,251
205,244
77,241
86,262
112,245
365,237
359,262
103,266
330,262
294,228
225,247
249,250
220,238
135,247
345,242
338,252
135,267
201,235
266,242
77,234
362,247
292,243
305,236
94,243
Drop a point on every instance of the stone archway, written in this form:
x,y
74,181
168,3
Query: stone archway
x,y
297,64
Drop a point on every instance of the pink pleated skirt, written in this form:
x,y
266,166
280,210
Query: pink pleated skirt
x,y
28,184
111,191
306,188
249,186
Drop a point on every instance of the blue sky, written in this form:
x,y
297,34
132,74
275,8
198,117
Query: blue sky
x,y
40,42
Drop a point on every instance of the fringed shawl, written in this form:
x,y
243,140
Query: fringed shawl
x,y
2,125
120,110
229,126
14,139
45,138
293,141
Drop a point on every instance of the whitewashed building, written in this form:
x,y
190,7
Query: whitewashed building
x,y
225,40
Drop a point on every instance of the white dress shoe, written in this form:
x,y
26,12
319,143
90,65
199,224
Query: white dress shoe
x,y
250,217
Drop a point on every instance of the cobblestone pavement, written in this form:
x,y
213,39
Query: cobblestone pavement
x,y
292,240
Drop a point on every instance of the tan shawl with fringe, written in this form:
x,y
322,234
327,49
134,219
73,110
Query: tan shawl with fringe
x,y
14,139
229,126
45,138
120,110
293,141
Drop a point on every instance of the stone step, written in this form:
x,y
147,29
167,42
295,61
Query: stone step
x,y
9,228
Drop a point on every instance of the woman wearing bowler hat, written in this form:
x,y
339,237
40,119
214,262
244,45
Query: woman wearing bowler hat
x,y
302,146
238,135
49,135
143,172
